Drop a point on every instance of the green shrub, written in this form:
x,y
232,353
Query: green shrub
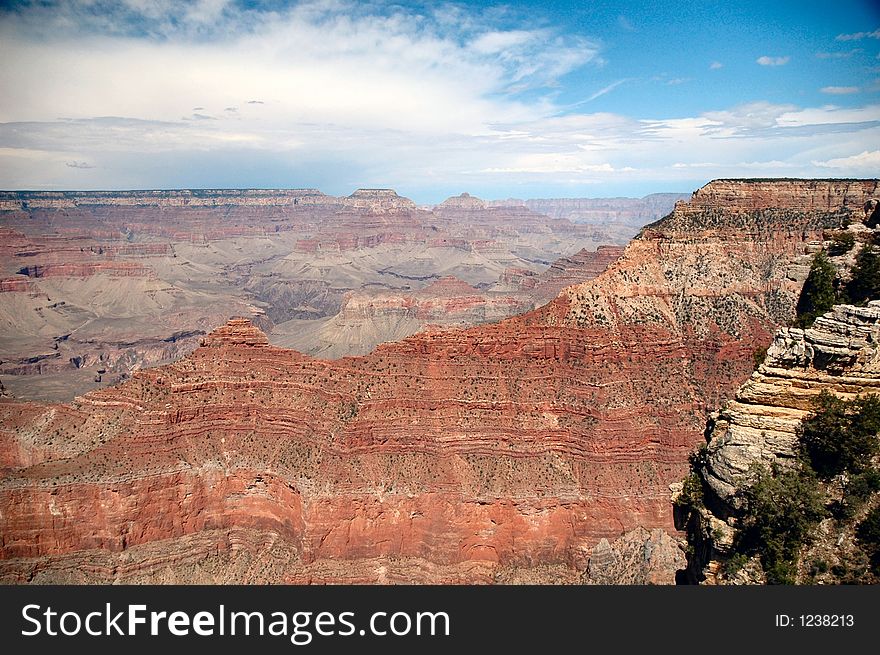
x,y
691,495
841,436
818,294
864,284
868,536
841,243
783,508
759,356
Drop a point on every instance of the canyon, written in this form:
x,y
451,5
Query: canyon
x,y
95,285
538,448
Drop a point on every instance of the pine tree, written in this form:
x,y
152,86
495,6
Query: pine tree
x,y
818,294
865,282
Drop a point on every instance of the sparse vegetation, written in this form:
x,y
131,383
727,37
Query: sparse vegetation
x,y
735,564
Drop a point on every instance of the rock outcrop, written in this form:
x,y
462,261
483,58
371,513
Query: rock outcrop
x,y
501,452
838,354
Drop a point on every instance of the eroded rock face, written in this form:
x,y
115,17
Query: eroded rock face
x,y
501,452
839,353
639,557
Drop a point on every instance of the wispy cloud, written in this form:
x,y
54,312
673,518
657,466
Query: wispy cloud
x,y
605,89
839,90
839,55
772,61
715,65
858,36
625,24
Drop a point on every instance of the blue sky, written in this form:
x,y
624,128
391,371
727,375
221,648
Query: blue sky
x,y
521,99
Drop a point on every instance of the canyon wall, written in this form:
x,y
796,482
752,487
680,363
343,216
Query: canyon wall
x,y
504,452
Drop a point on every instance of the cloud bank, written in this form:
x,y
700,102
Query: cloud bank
x,y
339,94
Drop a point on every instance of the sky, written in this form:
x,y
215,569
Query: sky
x,y
520,99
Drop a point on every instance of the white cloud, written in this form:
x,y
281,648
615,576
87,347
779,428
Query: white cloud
x,y
715,65
605,89
839,90
331,91
865,160
858,36
751,115
772,61
838,55
495,42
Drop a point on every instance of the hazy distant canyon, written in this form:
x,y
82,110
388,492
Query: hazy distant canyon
x,y
94,285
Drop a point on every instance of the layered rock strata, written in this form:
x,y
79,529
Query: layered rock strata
x,y
110,281
838,354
